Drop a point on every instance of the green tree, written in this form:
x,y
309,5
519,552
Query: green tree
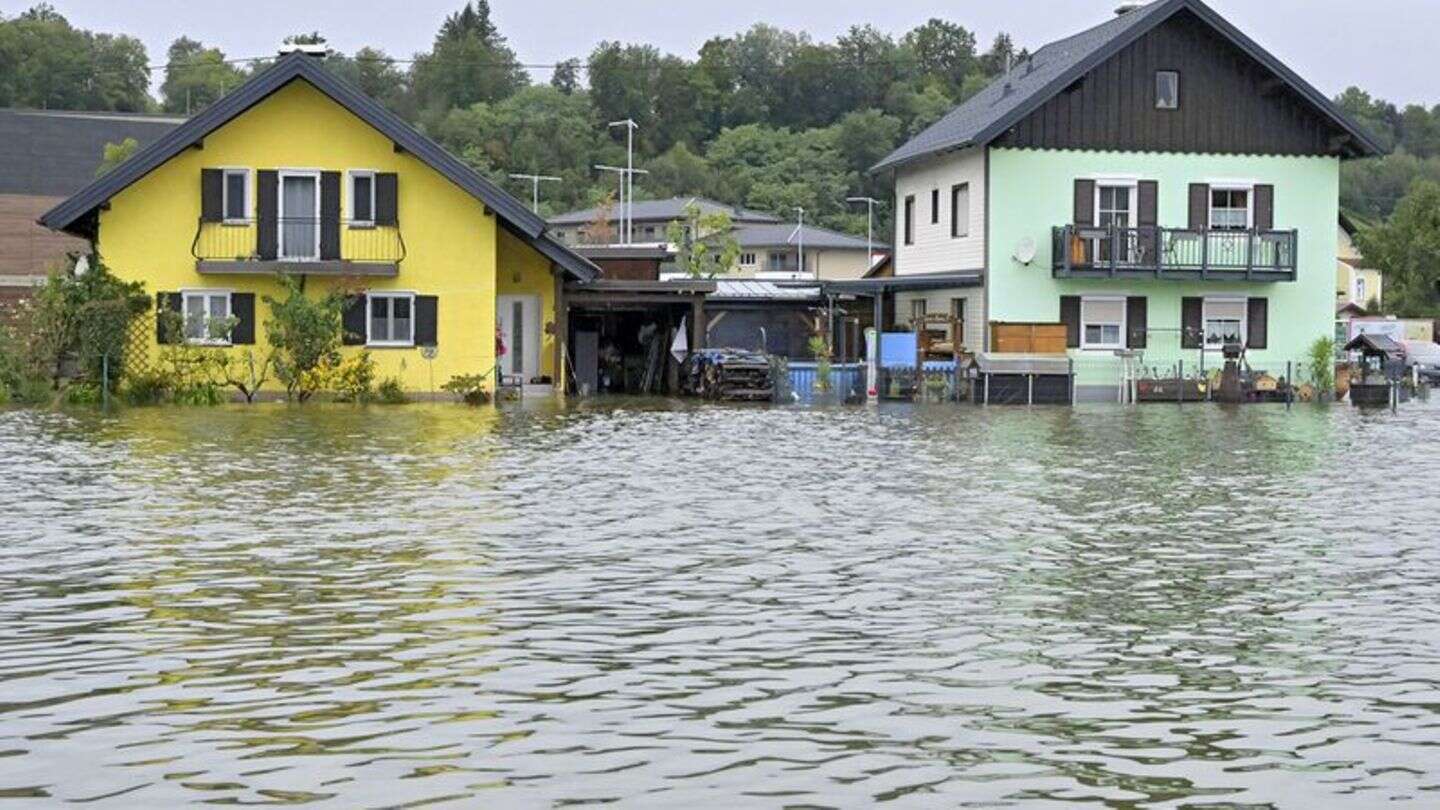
x,y
305,334
705,245
196,76
46,62
116,153
1407,250
566,77
678,172
469,63
943,50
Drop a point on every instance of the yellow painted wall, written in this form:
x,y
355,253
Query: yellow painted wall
x,y
521,270
451,244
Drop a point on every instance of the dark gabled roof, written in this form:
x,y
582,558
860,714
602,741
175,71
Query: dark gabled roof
x,y
1375,343
1011,97
781,234
52,153
665,210
68,215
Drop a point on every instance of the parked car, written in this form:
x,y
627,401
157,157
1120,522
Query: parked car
x,y
1424,356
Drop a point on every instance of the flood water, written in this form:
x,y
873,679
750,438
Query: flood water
x,y
671,605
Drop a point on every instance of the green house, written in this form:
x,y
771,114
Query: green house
x,y
1159,184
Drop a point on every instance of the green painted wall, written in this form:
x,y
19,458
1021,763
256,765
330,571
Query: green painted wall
x,y
1032,191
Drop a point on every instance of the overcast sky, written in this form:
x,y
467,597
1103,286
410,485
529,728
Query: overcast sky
x,y
1389,47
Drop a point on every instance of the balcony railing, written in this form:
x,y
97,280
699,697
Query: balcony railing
x,y
1174,253
249,245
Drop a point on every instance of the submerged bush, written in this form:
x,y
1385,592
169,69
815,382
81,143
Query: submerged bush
x,y
76,324
469,387
305,334
353,379
390,392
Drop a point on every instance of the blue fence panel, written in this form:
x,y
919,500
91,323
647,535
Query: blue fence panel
x,y
845,380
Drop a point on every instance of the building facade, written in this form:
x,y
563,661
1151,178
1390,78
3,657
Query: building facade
x,y
298,173
1158,184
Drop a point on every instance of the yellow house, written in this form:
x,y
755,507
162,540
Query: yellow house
x,y
297,172
1356,286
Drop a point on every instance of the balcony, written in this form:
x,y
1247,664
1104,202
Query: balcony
x,y
1174,253
309,245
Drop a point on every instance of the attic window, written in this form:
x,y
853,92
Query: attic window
x,y
1167,90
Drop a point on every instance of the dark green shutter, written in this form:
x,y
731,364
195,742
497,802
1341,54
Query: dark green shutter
x,y
1070,316
1264,208
1148,216
1199,207
168,302
427,327
387,199
1257,326
1136,321
212,195
1085,202
330,215
352,325
1192,323
242,309
267,210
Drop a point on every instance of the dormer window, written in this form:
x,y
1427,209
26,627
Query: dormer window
x,y
1167,90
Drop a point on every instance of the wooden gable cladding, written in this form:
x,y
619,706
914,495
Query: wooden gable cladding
x,y
1229,103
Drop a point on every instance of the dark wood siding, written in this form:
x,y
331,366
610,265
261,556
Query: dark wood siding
x,y
1229,103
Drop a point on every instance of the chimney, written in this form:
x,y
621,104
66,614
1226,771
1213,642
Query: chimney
x,y
1125,8
309,50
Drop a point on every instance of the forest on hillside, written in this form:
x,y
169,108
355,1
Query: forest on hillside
x,y
765,118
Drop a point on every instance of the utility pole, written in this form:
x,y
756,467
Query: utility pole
x,y
535,186
627,175
800,235
628,198
870,203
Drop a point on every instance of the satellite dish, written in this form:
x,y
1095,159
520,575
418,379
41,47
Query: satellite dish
x,y
1025,251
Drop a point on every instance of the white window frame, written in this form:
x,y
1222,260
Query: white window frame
x,y
1132,214
246,205
1246,186
1205,319
960,226
747,259
1360,290
280,175
1085,344
205,293
389,294
356,222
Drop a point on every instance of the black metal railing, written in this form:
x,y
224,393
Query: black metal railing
x,y
297,239
1182,253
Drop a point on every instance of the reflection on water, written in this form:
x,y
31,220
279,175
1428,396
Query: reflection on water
x,y
668,604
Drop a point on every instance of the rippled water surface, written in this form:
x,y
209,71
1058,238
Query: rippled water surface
x,y
669,605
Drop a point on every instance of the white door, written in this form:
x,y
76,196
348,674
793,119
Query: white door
x,y
299,216
518,317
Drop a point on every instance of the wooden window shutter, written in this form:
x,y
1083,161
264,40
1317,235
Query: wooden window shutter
x,y
352,321
1148,217
267,212
212,195
1084,202
1199,207
387,199
1070,316
1192,326
1265,208
330,215
242,309
427,327
1257,326
1136,321
166,302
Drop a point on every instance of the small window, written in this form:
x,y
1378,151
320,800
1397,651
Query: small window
x,y
362,198
934,206
960,210
650,231
747,259
1229,209
391,321
237,195
207,317
777,262
917,313
1167,90
1360,290
1224,322
1102,323
910,220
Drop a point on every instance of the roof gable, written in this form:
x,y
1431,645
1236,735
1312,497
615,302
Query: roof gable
x,y
54,154
70,215
1058,65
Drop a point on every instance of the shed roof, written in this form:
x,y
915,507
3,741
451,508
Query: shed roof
x,y
70,215
1011,97
1375,343
752,290
784,233
50,153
